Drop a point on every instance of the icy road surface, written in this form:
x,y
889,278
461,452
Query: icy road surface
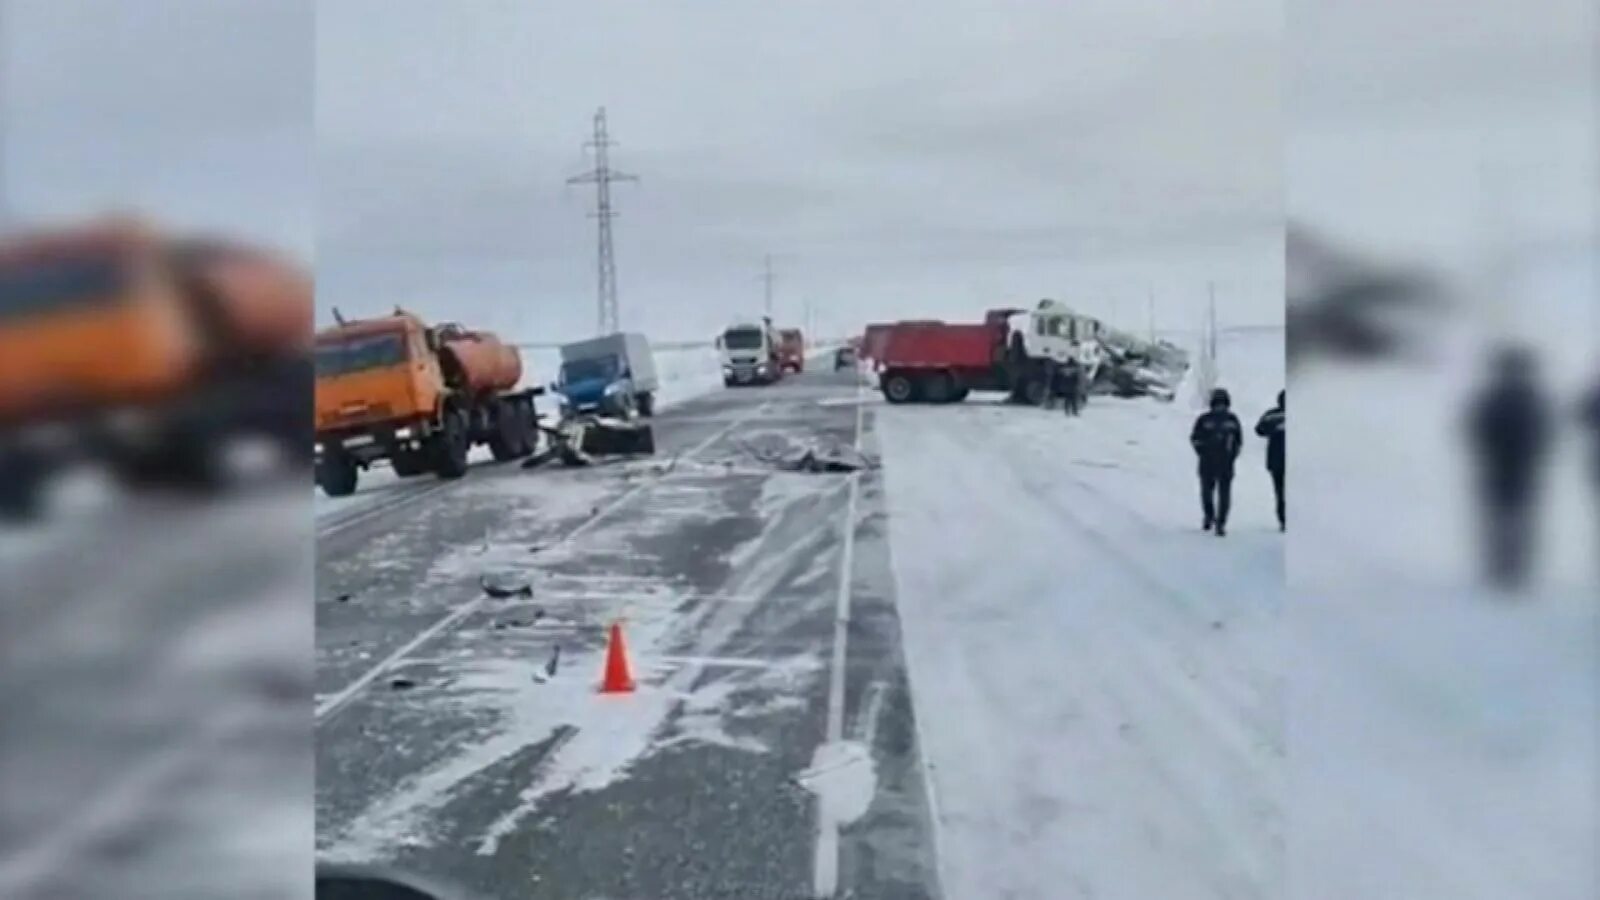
x,y
769,750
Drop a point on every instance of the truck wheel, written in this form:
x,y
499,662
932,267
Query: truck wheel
x,y
506,441
647,405
899,388
450,447
337,475
960,394
937,388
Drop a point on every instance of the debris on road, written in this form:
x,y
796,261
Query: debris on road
x,y
342,598
814,460
504,592
401,683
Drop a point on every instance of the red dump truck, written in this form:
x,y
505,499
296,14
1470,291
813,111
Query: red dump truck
x,y
792,350
940,362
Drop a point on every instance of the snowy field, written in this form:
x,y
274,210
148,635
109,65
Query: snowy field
x,y
1099,681
1442,735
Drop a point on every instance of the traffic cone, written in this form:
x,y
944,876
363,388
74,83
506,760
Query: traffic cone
x,y
618,678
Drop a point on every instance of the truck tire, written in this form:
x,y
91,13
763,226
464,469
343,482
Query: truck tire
x,y
647,405
899,387
337,475
507,440
960,394
449,445
938,388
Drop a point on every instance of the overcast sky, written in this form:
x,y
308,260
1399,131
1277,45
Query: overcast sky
x,y
912,159
198,111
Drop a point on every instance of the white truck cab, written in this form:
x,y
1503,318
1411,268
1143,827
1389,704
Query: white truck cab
x,y
1055,332
750,353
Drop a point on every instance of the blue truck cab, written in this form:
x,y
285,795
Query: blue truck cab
x,y
613,375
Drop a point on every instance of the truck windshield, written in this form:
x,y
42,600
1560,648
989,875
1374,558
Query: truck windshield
x,y
742,339
602,367
360,354
45,286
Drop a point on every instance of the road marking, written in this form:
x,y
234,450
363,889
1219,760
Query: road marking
x,y
337,701
825,873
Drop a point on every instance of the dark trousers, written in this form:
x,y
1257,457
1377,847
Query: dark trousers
x,y
1216,492
1507,518
1277,491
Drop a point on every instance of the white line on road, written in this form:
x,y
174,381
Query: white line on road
x,y
332,704
825,874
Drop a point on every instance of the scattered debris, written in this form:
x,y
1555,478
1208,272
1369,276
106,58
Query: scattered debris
x,y
836,460
401,683
535,548
549,670
342,598
503,624
502,592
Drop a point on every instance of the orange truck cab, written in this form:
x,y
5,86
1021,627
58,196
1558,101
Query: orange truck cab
x,y
123,345
392,388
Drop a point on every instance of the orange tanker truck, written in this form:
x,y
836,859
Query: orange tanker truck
x,y
126,346
393,388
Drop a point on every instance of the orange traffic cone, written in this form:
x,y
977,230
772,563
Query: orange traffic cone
x,y
618,678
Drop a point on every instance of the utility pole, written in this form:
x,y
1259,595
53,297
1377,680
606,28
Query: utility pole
x,y
601,176
766,278
1211,318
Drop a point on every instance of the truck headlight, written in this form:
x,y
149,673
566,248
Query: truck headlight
x,y
613,389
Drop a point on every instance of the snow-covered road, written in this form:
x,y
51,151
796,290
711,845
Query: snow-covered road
x,y
1098,680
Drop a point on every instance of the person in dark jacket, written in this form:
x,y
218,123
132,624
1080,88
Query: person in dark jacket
x,y
1217,438
1271,427
1509,431
1071,374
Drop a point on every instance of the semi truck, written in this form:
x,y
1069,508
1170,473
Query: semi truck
x,y
147,353
613,375
420,397
750,353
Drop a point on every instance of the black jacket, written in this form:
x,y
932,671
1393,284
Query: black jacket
x,y
1510,429
1217,438
1271,427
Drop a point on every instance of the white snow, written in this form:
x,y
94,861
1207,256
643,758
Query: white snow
x,y
1098,681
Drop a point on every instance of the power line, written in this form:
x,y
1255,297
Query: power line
x,y
601,176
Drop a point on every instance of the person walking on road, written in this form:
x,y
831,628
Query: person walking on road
x,y
1217,438
1271,427
1509,431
